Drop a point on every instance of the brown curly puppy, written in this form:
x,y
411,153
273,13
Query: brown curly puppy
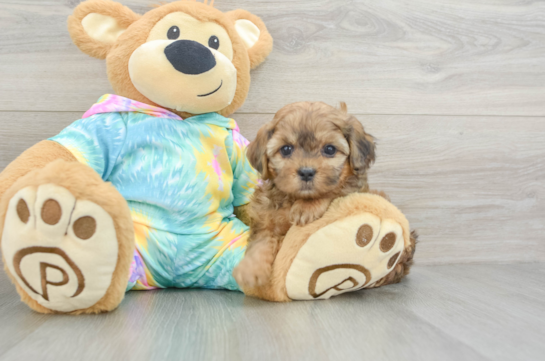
x,y
308,155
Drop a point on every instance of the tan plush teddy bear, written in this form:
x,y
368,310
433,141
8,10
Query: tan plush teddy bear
x,y
141,192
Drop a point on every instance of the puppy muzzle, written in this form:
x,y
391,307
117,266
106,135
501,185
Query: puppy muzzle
x,y
306,174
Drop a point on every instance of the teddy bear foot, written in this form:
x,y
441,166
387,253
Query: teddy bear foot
x,y
60,251
362,241
357,250
348,255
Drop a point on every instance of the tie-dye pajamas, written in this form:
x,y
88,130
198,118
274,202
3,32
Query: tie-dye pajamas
x,y
181,179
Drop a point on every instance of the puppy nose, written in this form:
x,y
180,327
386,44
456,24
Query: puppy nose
x,y
190,57
306,174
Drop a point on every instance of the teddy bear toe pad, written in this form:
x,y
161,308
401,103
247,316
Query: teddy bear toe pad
x,y
347,255
61,251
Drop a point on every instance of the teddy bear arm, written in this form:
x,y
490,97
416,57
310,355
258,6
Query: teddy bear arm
x,y
36,157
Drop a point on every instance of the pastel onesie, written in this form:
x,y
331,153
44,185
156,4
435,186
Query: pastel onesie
x,y
181,179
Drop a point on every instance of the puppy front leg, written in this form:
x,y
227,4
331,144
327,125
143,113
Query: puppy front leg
x,y
305,211
256,267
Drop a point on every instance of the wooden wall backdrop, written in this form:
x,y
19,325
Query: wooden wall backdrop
x,y
454,90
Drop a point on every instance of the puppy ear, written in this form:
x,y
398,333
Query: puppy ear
x,y
257,151
254,35
362,145
96,25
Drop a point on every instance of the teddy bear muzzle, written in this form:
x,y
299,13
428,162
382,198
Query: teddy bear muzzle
x,y
187,76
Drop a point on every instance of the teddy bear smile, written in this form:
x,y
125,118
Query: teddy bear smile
x,y
212,92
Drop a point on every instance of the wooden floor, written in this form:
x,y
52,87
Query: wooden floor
x,y
454,92
452,312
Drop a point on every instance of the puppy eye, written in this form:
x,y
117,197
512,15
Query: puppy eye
x,y
329,150
286,150
214,42
173,33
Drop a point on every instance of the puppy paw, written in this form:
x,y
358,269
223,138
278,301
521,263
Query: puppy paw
x,y
251,273
304,212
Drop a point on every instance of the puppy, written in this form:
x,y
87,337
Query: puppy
x,y
308,155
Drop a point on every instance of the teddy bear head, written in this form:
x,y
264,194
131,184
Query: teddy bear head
x,y
185,56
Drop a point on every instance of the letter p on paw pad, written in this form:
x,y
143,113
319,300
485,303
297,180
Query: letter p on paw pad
x,y
61,251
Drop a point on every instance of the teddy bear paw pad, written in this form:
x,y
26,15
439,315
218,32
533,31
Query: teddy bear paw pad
x,y
61,251
347,255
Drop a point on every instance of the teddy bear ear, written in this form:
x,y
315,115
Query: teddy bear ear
x,y
254,34
95,25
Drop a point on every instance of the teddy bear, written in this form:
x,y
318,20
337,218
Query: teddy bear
x,y
149,188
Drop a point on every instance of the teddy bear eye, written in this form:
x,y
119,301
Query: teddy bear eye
x,y
329,150
286,150
173,33
214,42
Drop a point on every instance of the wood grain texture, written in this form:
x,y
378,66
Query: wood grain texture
x,y
465,57
21,130
474,187
469,312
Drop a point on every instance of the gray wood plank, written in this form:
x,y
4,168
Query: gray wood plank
x,y
21,130
466,57
474,187
16,322
492,299
456,312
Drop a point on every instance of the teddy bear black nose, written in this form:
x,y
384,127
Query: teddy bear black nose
x,y
190,57
306,174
